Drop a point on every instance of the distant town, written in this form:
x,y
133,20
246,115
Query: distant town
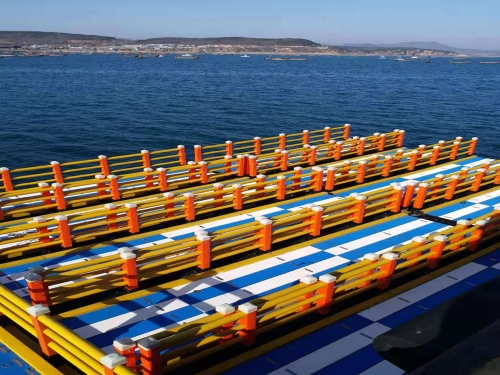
x,y
30,43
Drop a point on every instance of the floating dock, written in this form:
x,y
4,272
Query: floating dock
x,y
294,254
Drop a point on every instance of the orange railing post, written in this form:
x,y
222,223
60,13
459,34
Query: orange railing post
x,y
59,196
40,328
386,171
317,219
326,134
203,170
266,232
111,207
261,178
238,196
387,270
114,188
478,179
133,219
436,150
100,185
305,153
409,192
372,258
111,361
313,152
103,164
281,187
296,178
131,278
56,169
229,148
361,146
344,172
472,146
146,160
126,348
64,232
284,161
45,193
169,205
307,280
330,178
496,181
330,152
189,207
37,289
396,198
454,150
452,186
181,154
42,230
218,187
249,323
162,179
305,137
347,129
225,310
359,214
150,356
203,250
381,142
460,227
148,177
415,155
401,138
436,251
423,187
282,141
416,242
252,165
360,176
326,291
317,178
192,170
398,157
477,235
241,165
257,144
7,181
198,153
338,150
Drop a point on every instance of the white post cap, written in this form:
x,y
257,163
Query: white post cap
x,y
128,255
327,278
297,168
144,152
38,310
203,237
225,309
441,238
113,360
266,222
61,218
463,222
110,206
371,257
261,176
168,195
54,162
125,249
124,343
161,169
308,280
419,239
247,308
130,205
148,343
39,219
180,146
390,256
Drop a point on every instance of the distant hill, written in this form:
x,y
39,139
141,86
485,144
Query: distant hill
x,y
231,41
428,45
42,37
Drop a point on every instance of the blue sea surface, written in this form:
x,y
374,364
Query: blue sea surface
x,y
80,106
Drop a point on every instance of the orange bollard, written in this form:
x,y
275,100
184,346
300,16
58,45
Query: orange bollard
x,y
114,187
421,149
477,235
347,130
338,150
423,187
56,169
374,141
381,142
361,146
472,146
330,178
219,195
354,144
225,310
496,181
238,196
146,160
330,152
344,172
111,361
327,291
40,328
317,179
126,348
229,148
313,152
189,207
133,219
150,356
306,280
436,251
198,153
436,150
257,145
386,170
452,186
42,230
281,187
463,173
252,166
249,323
261,178
266,232
305,137
317,219
169,205
228,165
398,157
131,278
387,270
372,164
284,161
203,170
396,198
296,178
37,289
64,231
181,154
372,258
401,138
360,176
192,170
162,179
282,141
305,153
359,214
277,157
7,181
409,192
478,179
436,185
241,165
203,250
326,134
148,177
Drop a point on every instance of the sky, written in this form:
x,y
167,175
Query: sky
x,y
459,23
